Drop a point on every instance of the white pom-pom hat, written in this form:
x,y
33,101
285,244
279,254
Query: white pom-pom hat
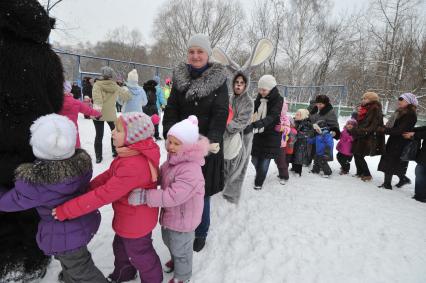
x,y
186,130
53,137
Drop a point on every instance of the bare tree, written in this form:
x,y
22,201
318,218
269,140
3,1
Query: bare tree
x,y
221,20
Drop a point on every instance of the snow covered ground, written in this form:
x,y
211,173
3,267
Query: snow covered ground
x,y
310,230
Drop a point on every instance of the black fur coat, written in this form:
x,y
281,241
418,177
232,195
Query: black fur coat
x,y
31,85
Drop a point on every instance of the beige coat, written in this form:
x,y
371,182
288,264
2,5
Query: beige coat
x,y
105,95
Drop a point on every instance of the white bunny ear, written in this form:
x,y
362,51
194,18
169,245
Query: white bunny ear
x,y
220,56
263,50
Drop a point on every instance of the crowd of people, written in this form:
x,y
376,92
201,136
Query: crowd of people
x,y
50,202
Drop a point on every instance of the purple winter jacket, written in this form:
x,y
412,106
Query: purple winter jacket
x,y
46,184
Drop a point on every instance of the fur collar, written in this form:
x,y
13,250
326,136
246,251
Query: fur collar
x,y
55,171
326,109
209,81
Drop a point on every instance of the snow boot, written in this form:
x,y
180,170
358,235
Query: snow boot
x,y
386,186
419,198
282,182
257,188
169,267
173,280
98,160
403,181
199,244
366,178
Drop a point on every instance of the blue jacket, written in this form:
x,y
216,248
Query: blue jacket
x,y
323,144
161,101
135,103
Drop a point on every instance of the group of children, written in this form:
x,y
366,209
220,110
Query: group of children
x,y
58,184
304,142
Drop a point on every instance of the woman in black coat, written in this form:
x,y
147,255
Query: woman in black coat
x,y
31,85
403,120
419,134
151,107
200,89
266,141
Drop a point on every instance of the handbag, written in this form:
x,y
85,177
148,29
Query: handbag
x,y
232,146
409,152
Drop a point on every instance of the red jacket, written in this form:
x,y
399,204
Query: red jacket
x,y
72,107
114,185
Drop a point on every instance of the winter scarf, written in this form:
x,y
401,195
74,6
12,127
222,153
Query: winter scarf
x,y
261,114
127,152
362,112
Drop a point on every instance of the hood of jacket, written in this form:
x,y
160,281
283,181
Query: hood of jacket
x,y
210,80
191,153
135,90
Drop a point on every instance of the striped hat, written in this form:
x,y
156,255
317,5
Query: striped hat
x,y
137,126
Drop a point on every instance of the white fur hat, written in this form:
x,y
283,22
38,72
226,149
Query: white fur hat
x,y
132,78
53,137
200,40
267,82
186,131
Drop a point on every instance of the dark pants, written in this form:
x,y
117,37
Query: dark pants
x,y
297,168
78,267
361,166
203,228
420,186
261,165
99,127
282,164
320,163
156,133
344,161
132,255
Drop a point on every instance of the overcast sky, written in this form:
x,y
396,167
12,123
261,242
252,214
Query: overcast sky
x,y
90,20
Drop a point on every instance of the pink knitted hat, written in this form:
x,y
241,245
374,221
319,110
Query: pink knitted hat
x,y
137,126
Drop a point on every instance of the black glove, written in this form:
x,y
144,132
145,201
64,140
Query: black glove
x,y
248,129
258,124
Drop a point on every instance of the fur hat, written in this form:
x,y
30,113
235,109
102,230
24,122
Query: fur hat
x,y
53,137
132,78
267,82
186,131
67,87
322,99
26,19
409,98
137,127
371,96
107,72
202,41
304,113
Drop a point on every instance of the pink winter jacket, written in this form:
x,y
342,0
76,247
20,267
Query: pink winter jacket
x,y
72,107
284,125
182,188
345,143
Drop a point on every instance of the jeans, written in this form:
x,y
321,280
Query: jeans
x,y
361,166
261,165
99,127
420,186
203,228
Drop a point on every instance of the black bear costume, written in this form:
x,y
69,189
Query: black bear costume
x,y
31,85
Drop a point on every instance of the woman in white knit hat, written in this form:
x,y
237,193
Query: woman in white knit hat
x,y
137,94
199,88
266,141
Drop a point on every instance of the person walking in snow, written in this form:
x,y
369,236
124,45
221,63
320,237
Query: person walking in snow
x,y
105,95
323,141
138,96
181,196
151,107
403,120
266,141
72,107
304,132
367,141
200,89
60,172
284,128
136,166
419,134
161,100
344,147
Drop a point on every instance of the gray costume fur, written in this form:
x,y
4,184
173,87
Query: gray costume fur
x,y
242,106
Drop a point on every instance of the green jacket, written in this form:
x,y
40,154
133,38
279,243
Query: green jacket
x,y
105,94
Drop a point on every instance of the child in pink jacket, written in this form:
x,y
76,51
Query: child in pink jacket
x,y
72,107
181,196
284,129
344,147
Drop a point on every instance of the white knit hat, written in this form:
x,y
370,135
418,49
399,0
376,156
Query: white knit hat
x,y
53,137
267,82
132,78
186,131
202,41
